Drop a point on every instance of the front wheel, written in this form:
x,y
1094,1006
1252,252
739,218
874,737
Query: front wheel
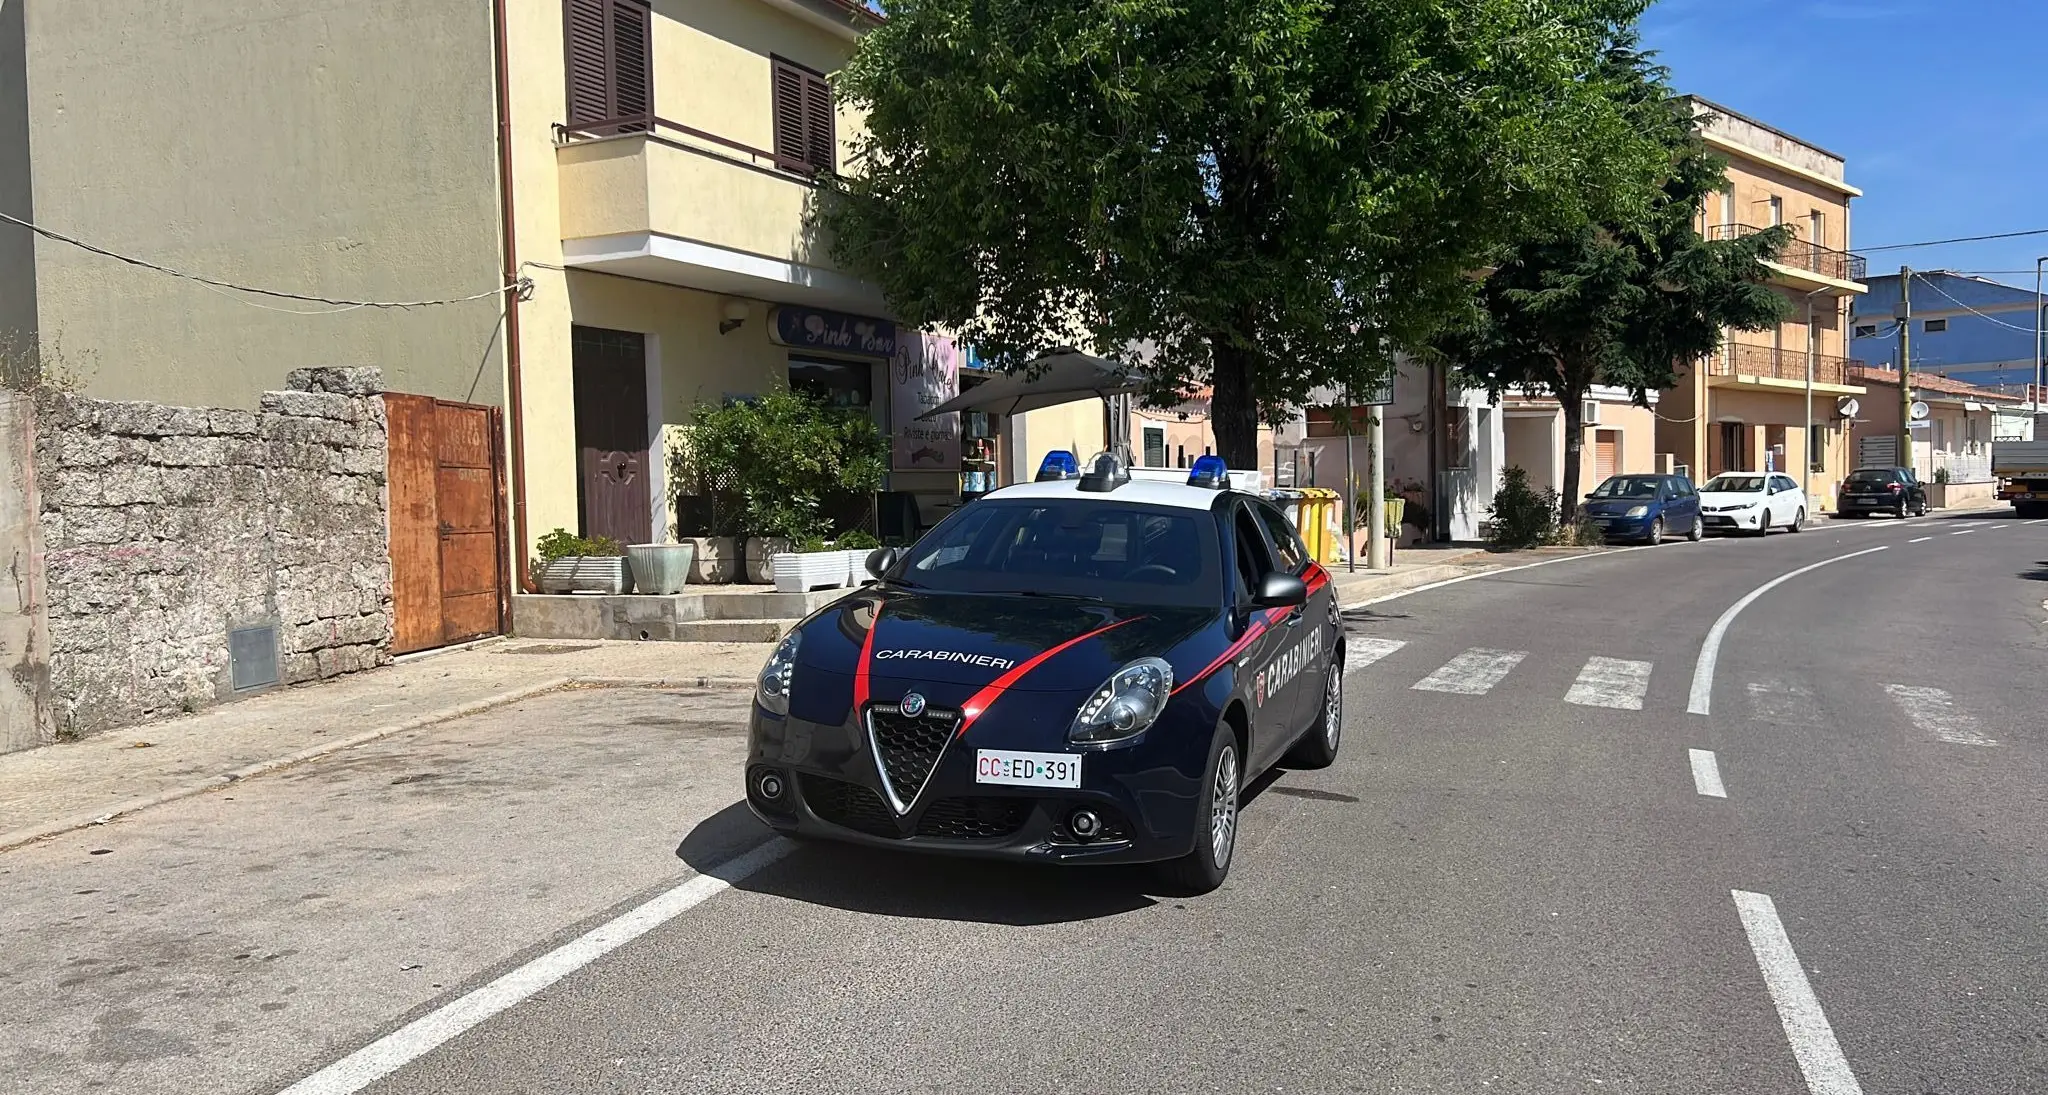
x,y
1799,520
1656,535
1318,745
1699,530
1205,867
1923,508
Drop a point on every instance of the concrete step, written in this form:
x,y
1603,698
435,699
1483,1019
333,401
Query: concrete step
x,y
766,606
729,631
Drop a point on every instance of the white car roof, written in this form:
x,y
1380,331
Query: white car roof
x,y
1147,492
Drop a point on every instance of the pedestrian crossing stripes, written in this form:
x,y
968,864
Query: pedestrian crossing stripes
x,y
1611,682
1360,652
1473,673
1934,711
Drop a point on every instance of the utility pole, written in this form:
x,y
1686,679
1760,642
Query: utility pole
x,y
2040,360
1376,488
1905,315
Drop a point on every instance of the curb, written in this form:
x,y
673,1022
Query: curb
x,y
36,833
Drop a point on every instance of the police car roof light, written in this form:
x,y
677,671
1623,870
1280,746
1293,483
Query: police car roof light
x,y
1105,473
1209,471
1058,464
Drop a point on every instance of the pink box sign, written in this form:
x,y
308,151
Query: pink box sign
x,y
924,373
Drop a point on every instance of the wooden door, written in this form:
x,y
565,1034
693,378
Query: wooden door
x,y
613,443
445,472
1606,455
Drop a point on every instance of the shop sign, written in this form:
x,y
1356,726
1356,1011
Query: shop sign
x,y
924,373
835,332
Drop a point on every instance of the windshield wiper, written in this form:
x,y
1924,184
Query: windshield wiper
x,y
1064,596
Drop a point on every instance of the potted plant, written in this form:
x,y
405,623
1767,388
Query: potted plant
x,y
815,564
568,563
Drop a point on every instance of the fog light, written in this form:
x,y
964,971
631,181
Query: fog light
x,y
769,785
1084,824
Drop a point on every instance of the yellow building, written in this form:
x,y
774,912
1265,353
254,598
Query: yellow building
x,y
1747,407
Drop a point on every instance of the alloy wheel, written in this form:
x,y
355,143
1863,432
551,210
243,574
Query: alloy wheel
x,y
1223,808
1333,705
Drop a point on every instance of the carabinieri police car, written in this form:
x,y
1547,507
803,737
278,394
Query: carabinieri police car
x,y
1083,669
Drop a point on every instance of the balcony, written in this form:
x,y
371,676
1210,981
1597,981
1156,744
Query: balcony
x,y
660,201
1804,264
1738,364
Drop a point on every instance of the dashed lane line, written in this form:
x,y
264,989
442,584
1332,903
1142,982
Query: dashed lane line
x,y
1806,1025
1965,532
1706,774
1920,539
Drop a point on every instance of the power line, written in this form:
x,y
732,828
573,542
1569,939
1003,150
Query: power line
x,y
1922,278
338,305
1958,239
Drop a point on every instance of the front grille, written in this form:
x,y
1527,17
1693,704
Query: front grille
x,y
849,805
974,818
908,748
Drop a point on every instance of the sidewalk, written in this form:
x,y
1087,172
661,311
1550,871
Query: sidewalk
x,y
58,788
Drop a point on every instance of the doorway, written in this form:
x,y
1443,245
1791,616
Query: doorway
x,y
444,470
613,440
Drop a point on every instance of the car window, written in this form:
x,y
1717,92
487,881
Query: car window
x,y
1627,486
1084,547
1287,545
1737,484
1783,484
1869,475
1254,560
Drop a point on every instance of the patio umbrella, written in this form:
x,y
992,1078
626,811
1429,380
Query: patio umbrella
x,y
1063,376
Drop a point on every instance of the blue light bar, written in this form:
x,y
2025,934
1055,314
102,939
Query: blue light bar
x,y
1209,471
1058,464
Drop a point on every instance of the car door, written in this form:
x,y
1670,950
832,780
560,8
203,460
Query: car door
x,y
1271,713
1680,508
1307,651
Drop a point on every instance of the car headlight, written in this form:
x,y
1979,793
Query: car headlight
x,y
772,689
1636,511
1126,704
1744,505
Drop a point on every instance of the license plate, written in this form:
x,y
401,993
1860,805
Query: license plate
x,y
1027,769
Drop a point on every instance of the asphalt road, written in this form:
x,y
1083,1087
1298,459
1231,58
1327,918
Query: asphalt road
x,y
1544,870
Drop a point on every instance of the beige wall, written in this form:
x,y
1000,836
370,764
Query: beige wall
x,y
344,149
17,245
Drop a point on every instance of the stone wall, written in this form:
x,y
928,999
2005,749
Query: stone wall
x,y
24,631
167,527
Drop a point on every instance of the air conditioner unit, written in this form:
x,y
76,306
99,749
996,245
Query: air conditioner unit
x,y
1589,412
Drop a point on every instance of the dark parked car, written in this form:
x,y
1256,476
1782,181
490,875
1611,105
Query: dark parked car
x,y
1881,490
1646,508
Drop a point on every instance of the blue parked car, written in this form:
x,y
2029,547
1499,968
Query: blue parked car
x,y
1648,508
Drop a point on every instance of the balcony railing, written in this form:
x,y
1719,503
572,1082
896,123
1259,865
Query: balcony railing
x,y
1803,254
1736,359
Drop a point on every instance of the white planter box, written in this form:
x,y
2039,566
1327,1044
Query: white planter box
x,y
586,574
857,567
803,571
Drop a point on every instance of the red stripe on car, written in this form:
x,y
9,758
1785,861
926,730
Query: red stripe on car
x,y
1251,633
860,670
995,688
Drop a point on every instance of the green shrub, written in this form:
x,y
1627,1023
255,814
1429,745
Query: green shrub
x,y
1522,516
563,544
1941,475
857,541
781,456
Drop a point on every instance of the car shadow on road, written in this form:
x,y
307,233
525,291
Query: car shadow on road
x,y
2040,574
925,887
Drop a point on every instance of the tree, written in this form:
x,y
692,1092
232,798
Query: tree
x,y
1621,302
1270,192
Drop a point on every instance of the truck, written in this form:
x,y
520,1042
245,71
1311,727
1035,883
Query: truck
x,y
2021,468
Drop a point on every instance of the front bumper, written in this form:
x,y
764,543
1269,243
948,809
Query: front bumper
x,y
1741,519
1144,795
1625,528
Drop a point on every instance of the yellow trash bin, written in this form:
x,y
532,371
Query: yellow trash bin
x,y
1312,521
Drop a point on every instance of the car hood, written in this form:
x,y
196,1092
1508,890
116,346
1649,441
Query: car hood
x,y
1049,644
1730,497
1620,505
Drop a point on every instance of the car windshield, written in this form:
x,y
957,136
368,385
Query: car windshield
x,y
1627,486
1736,484
1082,547
1869,475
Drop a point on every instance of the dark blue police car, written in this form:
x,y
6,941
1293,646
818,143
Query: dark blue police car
x,y
1084,669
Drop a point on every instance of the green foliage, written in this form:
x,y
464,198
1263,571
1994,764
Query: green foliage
x,y
1941,475
857,541
33,364
781,457
563,544
1523,517
1269,193
1621,302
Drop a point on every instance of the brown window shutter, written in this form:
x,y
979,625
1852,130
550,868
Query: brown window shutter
x,y
632,61
584,26
820,149
790,128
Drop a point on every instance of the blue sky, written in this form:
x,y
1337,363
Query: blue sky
x,y
1937,105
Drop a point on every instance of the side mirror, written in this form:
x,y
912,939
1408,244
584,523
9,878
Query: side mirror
x,y
1277,590
881,559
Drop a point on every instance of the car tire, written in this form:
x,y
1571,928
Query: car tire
x,y
1656,535
1799,520
1318,745
1699,530
1924,508
1904,510
1206,866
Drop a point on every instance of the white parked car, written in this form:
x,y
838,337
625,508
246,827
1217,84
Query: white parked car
x,y
1750,501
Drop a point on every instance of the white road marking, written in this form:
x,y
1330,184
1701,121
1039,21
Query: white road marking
x,y
1710,651
1706,775
1934,711
1611,682
1806,1026
2040,521
1965,532
1992,528
1784,703
423,1035
1920,539
1473,673
1360,652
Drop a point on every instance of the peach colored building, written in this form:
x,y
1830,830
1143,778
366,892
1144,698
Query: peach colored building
x,y
1748,407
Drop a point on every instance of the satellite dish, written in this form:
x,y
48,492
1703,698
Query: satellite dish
x,y
1919,410
1847,408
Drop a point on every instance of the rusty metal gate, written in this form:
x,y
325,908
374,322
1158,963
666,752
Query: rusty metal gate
x,y
447,487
